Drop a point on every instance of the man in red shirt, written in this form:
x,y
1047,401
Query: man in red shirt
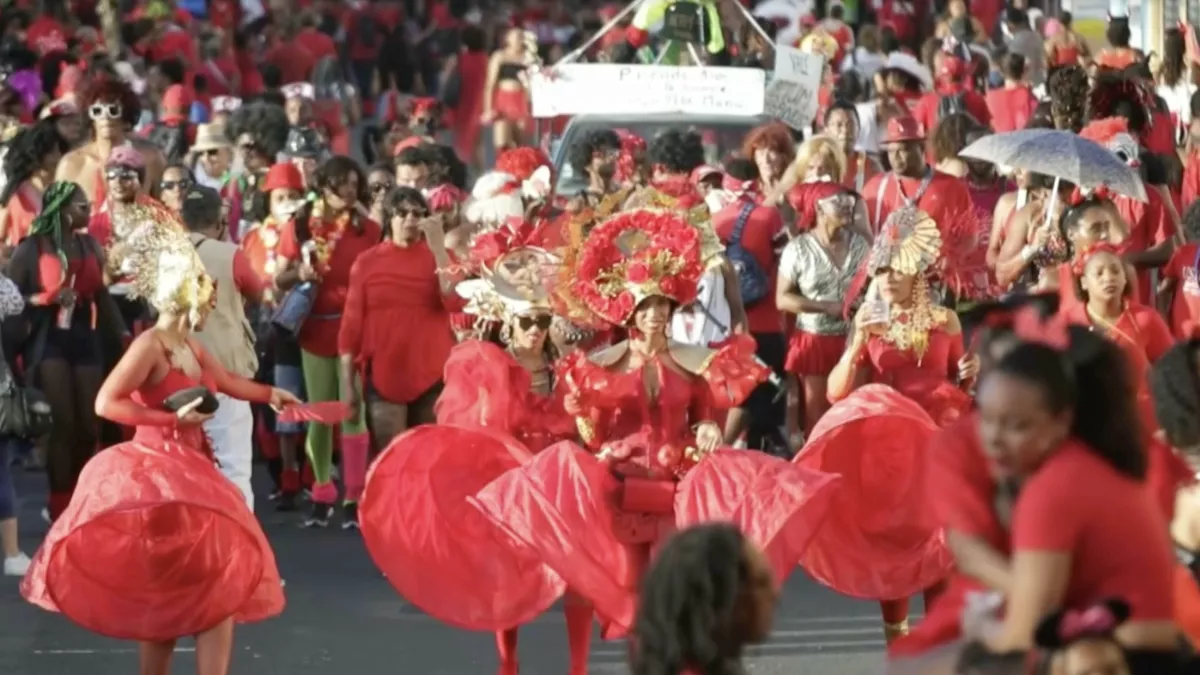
x,y
1011,106
951,93
912,182
294,62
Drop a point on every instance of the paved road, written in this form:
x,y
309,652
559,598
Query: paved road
x,y
344,619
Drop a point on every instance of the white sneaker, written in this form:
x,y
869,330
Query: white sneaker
x,y
17,565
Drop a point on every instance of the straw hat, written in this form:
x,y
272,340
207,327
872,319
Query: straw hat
x,y
211,137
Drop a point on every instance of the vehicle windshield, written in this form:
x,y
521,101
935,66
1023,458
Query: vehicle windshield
x,y
722,137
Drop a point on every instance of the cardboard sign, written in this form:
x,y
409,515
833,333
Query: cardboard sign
x,y
617,89
791,95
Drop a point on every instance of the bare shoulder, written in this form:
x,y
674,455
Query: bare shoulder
x,y
947,320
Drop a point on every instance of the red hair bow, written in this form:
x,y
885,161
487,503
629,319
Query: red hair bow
x,y
424,105
1028,326
1082,257
1080,196
1096,620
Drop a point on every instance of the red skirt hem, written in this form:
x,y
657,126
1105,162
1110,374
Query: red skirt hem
x,y
814,355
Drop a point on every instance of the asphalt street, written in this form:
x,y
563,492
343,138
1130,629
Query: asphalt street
x,y
343,618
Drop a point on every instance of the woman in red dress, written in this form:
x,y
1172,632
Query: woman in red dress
x,y
498,406
400,281
470,66
645,411
171,549
884,542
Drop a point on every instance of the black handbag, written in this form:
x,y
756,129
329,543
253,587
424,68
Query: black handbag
x,y
185,397
24,411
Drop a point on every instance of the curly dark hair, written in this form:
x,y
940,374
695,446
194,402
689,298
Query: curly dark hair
x,y
26,153
1068,88
688,601
595,141
1175,386
1093,380
266,123
676,151
108,89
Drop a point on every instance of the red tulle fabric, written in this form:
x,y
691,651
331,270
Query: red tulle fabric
x,y
565,504
438,551
882,540
810,354
733,371
486,387
155,545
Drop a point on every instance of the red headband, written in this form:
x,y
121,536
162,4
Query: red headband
x,y
1075,624
1083,257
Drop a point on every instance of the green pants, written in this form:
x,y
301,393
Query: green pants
x,y
321,384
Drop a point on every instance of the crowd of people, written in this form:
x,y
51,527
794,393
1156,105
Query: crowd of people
x,y
852,348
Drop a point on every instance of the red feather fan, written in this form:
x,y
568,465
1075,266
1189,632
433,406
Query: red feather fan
x,y
962,266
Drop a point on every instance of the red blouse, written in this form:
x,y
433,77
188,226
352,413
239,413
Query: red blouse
x,y
1109,524
928,379
397,320
319,334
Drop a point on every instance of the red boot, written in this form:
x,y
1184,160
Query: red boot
x,y
579,632
506,646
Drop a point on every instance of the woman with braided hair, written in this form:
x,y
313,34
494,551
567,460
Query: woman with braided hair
x,y
60,272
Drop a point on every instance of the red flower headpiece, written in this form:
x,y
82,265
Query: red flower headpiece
x,y
1028,326
522,162
1083,257
634,255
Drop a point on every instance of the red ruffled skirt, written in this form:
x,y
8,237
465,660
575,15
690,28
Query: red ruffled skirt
x,y
812,354
882,540
438,551
156,544
568,506
512,105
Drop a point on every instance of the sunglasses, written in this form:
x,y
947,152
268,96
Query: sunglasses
x,y
379,187
248,147
542,321
210,153
121,174
105,111
175,184
407,212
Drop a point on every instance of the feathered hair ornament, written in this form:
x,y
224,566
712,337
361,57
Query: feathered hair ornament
x,y
1082,258
1064,627
498,196
522,162
166,271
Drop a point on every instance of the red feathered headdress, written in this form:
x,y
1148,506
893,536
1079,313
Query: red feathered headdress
x,y
445,198
522,162
1113,133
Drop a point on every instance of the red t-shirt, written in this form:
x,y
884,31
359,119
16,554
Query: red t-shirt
x,y
1109,524
1011,109
1185,308
1150,224
316,43
173,43
46,35
351,22
764,226
294,62
946,197
1191,179
926,110
319,335
247,281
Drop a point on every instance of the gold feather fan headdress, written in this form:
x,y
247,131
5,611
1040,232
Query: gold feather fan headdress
x,y
166,271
